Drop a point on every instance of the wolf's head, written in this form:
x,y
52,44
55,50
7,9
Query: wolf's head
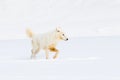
x,y
60,34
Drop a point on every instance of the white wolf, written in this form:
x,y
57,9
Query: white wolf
x,y
46,41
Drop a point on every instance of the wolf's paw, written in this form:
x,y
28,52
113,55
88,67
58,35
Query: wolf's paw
x,y
55,57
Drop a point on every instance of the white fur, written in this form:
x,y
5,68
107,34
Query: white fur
x,y
46,41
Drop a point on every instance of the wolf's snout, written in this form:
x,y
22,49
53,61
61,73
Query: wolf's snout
x,y
67,39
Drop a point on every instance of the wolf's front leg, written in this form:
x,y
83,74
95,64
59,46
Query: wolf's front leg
x,y
56,54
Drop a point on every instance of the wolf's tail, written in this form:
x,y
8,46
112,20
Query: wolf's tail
x,y
29,33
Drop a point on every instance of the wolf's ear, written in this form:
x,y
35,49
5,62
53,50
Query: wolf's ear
x,y
58,29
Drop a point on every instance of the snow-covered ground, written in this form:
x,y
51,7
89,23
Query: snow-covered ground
x,y
92,52
82,58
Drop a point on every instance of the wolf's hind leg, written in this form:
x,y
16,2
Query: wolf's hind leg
x,y
47,53
35,49
33,54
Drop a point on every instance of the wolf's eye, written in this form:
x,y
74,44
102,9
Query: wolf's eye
x,y
58,31
63,34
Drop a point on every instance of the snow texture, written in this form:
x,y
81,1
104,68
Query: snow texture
x,y
93,49
83,58
76,17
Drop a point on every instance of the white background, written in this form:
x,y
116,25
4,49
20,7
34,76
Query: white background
x,y
91,53
76,17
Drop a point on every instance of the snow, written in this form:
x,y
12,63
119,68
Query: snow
x,y
82,58
93,49
81,17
